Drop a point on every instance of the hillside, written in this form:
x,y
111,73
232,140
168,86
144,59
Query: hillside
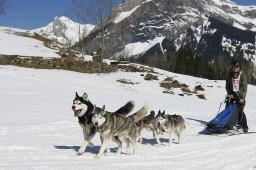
x,y
19,42
43,42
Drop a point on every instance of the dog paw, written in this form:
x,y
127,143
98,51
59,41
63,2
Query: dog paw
x,y
97,156
79,154
107,154
80,151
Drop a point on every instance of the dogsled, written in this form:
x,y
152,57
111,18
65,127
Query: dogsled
x,y
228,121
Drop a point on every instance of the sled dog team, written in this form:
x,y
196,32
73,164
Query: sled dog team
x,y
122,126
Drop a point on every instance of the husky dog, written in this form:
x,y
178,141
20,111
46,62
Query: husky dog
x,y
82,108
118,126
169,124
149,122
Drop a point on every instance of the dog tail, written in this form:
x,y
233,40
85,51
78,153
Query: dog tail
x,y
140,114
126,109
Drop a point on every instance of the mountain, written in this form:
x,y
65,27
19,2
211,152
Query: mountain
x,y
211,28
64,30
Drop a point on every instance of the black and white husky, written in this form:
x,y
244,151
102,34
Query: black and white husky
x,y
82,108
169,124
118,126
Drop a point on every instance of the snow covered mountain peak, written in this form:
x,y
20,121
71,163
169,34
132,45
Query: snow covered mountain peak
x,y
64,30
210,27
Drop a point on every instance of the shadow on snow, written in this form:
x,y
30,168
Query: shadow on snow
x,y
93,150
204,131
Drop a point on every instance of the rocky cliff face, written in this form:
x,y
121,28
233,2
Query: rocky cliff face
x,y
211,28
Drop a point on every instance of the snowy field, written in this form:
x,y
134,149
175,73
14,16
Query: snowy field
x,y
13,44
38,129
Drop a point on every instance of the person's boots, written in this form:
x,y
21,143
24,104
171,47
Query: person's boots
x,y
245,129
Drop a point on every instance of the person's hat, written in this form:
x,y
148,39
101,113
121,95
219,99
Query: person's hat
x,y
236,64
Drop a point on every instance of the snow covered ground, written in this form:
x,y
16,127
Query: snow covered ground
x,y
38,129
13,44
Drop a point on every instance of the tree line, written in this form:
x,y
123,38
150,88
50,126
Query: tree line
x,y
184,61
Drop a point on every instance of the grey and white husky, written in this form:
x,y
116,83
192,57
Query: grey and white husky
x,y
149,122
117,126
82,108
169,124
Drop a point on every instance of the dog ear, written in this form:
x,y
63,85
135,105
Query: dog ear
x,y
85,97
94,107
103,110
163,114
76,95
159,111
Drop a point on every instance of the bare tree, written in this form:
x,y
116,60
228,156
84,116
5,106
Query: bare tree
x,y
2,6
80,15
101,10
93,11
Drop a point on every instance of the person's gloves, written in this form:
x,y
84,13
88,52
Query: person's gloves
x,y
242,101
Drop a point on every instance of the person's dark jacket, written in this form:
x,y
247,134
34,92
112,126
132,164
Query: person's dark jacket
x,y
242,85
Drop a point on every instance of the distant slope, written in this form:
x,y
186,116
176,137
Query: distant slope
x,y
20,42
64,30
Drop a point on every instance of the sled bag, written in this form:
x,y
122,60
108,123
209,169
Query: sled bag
x,y
228,117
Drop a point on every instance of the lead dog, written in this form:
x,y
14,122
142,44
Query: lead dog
x,y
118,126
82,108
169,124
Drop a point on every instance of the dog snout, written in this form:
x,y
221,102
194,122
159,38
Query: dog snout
x,y
73,107
96,123
159,124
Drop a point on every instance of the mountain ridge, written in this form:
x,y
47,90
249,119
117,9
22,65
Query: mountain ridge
x,y
180,22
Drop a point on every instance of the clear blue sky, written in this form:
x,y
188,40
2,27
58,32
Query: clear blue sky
x,y
31,14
